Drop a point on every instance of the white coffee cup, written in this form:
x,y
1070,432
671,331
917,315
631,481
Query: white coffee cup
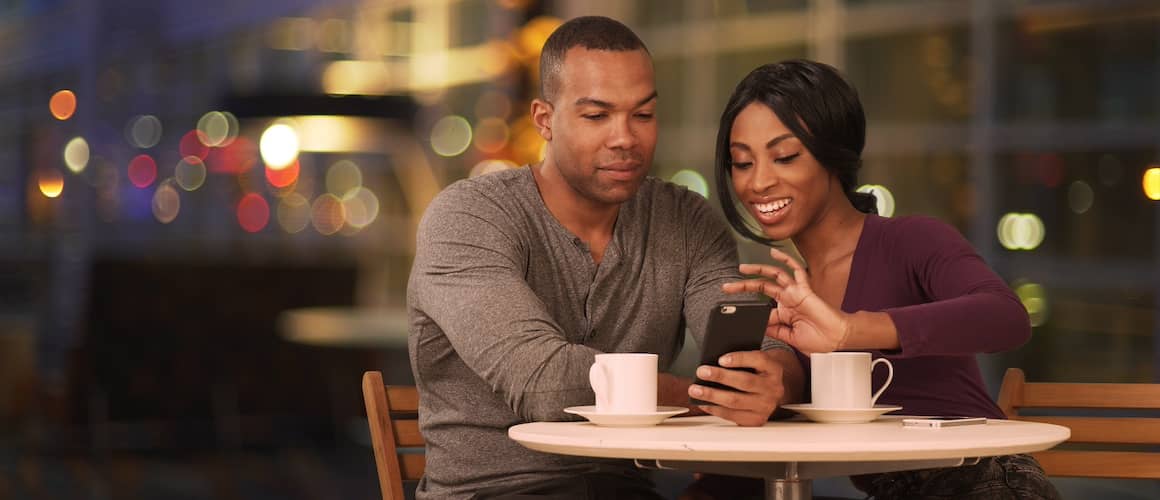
x,y
842,379
625,383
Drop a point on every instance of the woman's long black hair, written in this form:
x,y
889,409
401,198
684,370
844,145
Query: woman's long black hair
x,y
819,107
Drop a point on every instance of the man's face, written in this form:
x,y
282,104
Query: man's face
x,y
603,128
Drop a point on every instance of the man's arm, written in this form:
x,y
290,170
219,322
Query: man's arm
x,y
779,380
468,279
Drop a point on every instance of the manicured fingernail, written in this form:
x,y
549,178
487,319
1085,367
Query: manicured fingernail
x,y
704,372
695,390
726,360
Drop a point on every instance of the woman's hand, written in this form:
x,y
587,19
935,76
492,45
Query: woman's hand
x,y
801,318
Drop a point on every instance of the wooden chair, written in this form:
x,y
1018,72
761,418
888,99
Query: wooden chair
x,y
392,412
1091,450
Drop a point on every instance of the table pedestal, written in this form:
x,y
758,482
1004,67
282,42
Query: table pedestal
x,y
788,489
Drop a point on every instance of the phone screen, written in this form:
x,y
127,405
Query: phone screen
x,y
733,327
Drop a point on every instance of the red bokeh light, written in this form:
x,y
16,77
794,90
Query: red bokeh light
x,y
192,146
253,213
142,171
239,156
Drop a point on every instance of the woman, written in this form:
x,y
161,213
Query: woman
x,y
907,288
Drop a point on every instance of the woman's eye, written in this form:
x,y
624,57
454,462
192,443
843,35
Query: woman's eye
x,y
787,159
741,165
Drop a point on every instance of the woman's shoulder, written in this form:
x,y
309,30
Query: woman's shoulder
x,y
918,228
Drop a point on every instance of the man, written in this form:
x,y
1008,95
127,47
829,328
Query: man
x,y
521,277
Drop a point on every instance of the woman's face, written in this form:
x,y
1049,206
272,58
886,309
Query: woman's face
x,y
777,179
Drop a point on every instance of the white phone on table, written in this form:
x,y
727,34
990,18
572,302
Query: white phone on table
x,y
939,422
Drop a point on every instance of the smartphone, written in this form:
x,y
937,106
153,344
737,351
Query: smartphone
x,y
733,326
939,422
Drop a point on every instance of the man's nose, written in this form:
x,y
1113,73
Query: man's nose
x,y
621,135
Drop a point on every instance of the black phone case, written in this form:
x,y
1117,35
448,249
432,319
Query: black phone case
x,y
742,329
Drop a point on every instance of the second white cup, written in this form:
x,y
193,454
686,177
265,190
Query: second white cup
x,y
624,383
842,379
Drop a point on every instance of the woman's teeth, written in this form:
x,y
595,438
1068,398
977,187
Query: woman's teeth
x,y
774,206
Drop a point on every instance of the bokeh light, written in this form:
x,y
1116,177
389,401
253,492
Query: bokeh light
x,y
1080,197
883,197
189,173
143,131
191,146
326,214
450,136
253,213
213,128
63,104
142,171
1152,183
1021,231
283,178
342,177
279,146
491,135
1110,170
232,131
1034,299
493,104
166,203
50,182
76,154
693,180
360,207
293,213
489,166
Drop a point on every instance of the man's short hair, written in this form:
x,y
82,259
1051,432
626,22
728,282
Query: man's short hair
x,y
589,32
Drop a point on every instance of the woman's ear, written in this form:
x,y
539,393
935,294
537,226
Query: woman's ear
x,y
542,118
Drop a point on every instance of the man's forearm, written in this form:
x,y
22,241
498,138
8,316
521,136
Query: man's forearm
x,y
674,391
792,377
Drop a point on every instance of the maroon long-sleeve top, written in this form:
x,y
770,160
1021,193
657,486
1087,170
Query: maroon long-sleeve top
x,y
947,305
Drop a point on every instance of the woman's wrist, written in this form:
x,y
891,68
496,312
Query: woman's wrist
x,y
867,330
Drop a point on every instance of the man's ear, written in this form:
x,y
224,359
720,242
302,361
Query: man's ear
x,y
542,118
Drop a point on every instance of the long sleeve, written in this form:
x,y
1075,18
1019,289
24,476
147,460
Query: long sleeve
x,y
468,277
969,309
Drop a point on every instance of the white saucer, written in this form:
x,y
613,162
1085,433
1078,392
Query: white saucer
x,y
841,415
626,420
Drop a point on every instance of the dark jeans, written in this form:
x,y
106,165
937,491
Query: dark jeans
x,y
582,487
1005,477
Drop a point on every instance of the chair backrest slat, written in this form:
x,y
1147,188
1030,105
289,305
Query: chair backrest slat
x,y
1017,394
1102,464
1107,430
392,413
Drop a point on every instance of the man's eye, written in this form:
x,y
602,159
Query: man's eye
x,y
595,117
644,116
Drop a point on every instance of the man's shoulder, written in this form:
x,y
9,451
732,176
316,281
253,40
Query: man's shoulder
x,y
496,189
659,195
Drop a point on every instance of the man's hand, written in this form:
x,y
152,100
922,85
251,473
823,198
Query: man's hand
x,y
778,381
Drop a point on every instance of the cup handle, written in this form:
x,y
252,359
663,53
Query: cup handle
x,y
889,377
599,381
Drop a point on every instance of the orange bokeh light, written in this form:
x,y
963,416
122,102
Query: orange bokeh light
x,y
51,183
283,177
63,104
253,213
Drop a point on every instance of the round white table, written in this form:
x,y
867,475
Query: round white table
x,y
789,454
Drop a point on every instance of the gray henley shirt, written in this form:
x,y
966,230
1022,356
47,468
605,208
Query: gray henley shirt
x,y
507,309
